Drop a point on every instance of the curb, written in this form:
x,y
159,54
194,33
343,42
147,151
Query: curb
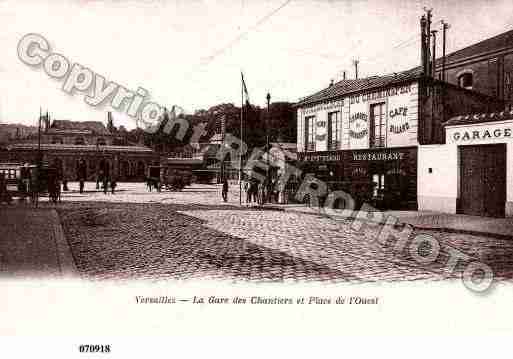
x,y
464,231
67,265
402,223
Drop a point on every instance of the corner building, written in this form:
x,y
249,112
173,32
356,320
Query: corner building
x,y
362,135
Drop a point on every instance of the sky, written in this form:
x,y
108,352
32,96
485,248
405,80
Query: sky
x,y
190,52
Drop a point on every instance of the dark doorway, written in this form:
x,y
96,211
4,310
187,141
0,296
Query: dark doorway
x,y
483,180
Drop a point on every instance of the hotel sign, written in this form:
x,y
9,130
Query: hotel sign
x,y
377,95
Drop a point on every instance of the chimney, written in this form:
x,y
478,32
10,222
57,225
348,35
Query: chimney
x,y
344,75
331,82
423,42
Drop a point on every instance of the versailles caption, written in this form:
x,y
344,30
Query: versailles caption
x,y
259,300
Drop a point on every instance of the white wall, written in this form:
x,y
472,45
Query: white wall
x,y
438,190
488,133
402,97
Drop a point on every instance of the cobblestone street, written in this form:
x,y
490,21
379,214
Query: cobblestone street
x,y
193,234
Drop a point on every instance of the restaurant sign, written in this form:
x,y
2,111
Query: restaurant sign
x,y
378,156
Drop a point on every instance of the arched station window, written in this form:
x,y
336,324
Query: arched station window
x,y
466,80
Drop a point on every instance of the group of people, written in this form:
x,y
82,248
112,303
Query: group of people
x,y
103,178
260,191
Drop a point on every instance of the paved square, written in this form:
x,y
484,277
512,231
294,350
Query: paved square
x,y
136,234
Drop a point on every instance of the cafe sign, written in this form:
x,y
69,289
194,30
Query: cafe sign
x,y
398,120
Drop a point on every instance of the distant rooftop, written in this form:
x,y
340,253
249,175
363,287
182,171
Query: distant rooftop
x,y
82,148
499,42
77,127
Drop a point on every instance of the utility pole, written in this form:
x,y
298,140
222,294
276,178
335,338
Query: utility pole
x,y
445,27
355,63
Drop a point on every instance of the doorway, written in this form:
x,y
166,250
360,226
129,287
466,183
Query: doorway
x,y
483,180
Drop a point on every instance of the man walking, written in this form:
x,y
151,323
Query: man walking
x,y
225,190
247,191
82,174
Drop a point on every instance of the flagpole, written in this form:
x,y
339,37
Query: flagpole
x,y
240,147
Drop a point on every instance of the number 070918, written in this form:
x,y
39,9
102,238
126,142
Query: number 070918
x,y
90,348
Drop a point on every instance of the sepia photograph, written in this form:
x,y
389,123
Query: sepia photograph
x,y
176,174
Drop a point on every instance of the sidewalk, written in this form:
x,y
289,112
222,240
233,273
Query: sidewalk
x,y
32,244
459,223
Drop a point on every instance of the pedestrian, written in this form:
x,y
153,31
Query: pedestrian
x,y
247,191
225,190
105,184
82,174
113,184
254,191
260,194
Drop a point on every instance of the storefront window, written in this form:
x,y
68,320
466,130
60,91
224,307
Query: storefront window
x,y
377,117
310,133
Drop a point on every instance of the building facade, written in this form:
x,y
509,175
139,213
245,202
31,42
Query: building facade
x,y
64,143
126,163
362,135
485,67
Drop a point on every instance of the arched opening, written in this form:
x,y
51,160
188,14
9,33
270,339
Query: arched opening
x,y
141,169
79,141
466,80
125,169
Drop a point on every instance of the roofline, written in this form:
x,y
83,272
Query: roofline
x,y
338,97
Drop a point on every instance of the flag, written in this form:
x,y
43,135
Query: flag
x,y
244,88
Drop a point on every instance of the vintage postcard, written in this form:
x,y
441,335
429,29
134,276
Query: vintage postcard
x,y
246,178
